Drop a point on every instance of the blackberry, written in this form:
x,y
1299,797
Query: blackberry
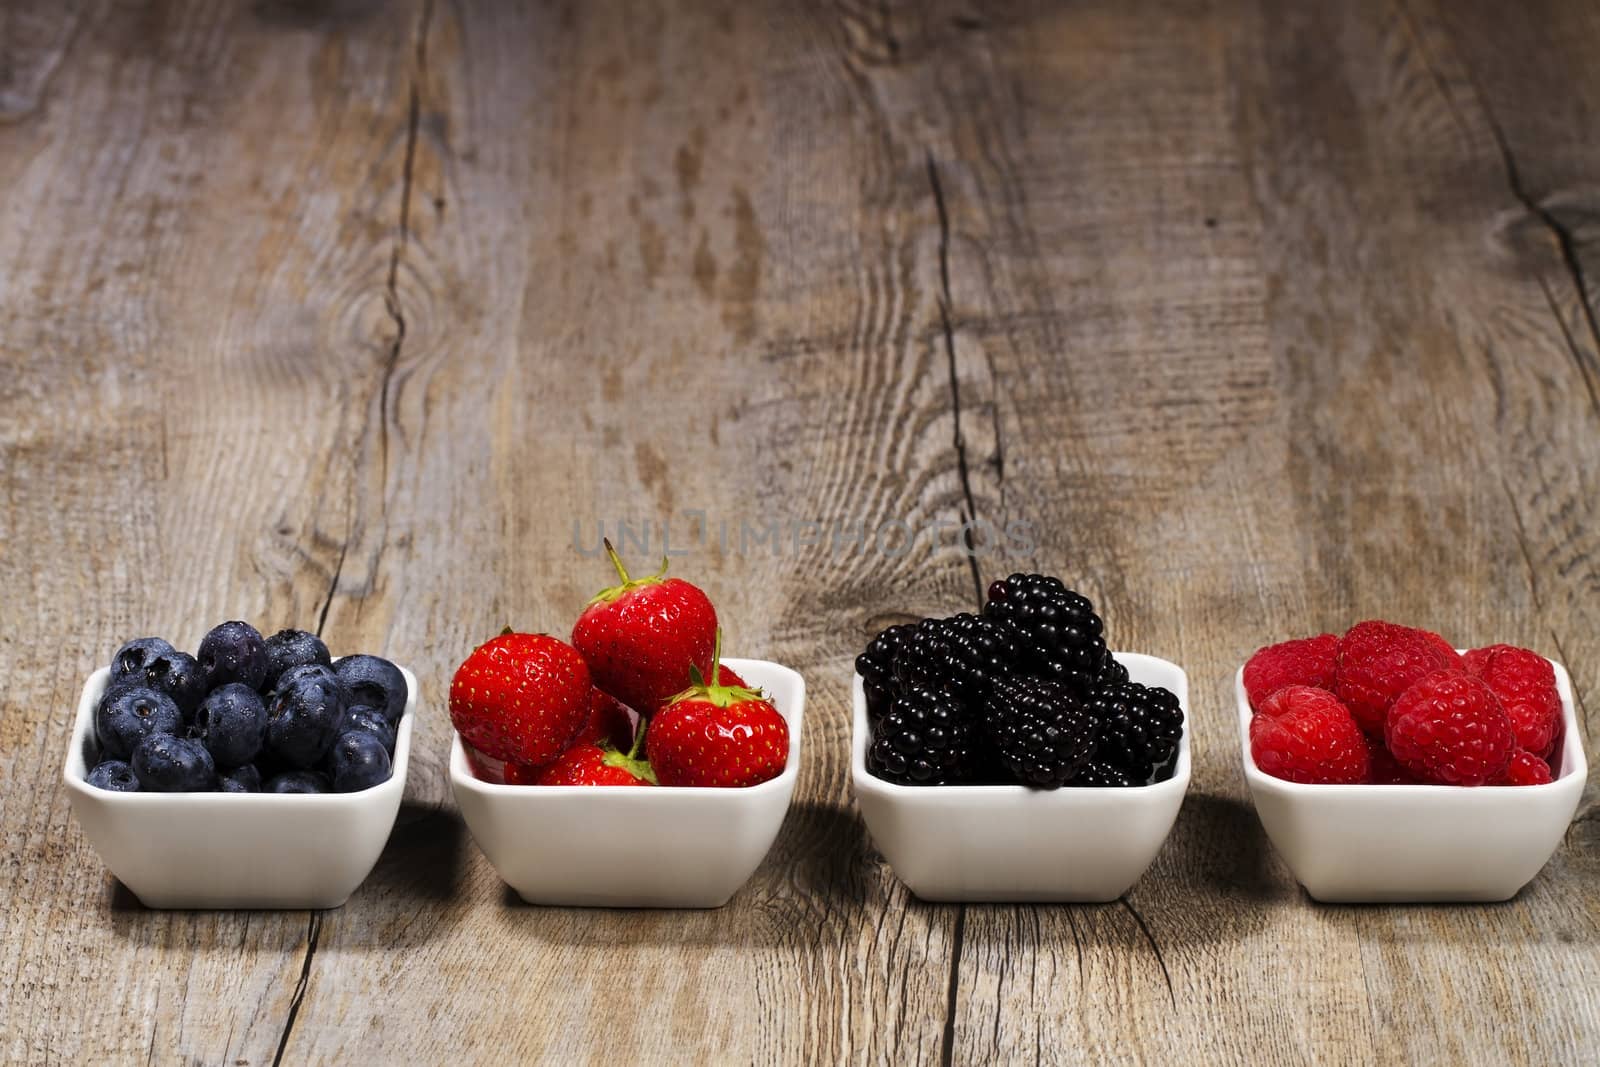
x,y
1059,635
1139,728
1098,774
963,655
1040,730
876,662
876,667
926,738
1111,673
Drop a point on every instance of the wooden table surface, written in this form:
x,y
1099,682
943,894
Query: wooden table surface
x,y
357,316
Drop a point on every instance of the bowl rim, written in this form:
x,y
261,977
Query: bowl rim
x,y
1575,766
461,776
74,771
866,782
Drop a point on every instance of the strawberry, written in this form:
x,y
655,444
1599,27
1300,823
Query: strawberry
x,y
497,771
641,637
589,763
609,721
521,698
717,735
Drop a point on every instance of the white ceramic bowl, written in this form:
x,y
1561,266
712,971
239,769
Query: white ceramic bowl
x,y
1417,843
235,850
632,847
1013,843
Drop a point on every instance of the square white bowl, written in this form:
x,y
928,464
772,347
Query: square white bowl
x,y
235,850
632,847
1004,843
1375,844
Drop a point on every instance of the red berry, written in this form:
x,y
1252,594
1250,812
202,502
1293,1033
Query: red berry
x,y
1383,768
608,721
1525,682
1377,661
1303,734
717,735
641,637
1305,661
1449,727
520,698
587,763
1525,769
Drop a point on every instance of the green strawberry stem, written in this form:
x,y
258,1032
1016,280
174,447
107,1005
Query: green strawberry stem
x,y
633,760
605,596
715,692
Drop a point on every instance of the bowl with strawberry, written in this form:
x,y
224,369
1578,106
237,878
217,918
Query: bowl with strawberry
x,y
1388,766
633,766
1009,756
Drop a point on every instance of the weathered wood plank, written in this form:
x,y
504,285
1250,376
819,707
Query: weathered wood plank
x,y
195,240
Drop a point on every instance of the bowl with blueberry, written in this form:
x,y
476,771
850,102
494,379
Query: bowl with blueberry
x,y
1007,755
259,772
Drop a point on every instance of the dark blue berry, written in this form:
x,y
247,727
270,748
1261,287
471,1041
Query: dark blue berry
x,y
304,714
231,722
359,762
375,682
132,658
292,648
130,713
167,764
153,663
358,718
233,652
298,782
244,779
115,775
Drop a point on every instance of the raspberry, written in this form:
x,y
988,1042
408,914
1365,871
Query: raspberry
x,y
1059,634
1383,768
1526,685
1303,734
1525,769
1449,727
1139,729
1377,661
1307,661
1042,733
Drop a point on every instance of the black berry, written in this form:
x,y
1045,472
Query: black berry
x,y
963,656
1059,636
926,738
1139,729
1040,729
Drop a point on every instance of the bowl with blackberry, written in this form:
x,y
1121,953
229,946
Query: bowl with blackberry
x,y
258,773
1009,756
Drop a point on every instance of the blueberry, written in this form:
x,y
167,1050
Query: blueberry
x,y
130,713
167,764
115,775
231,722
304,714
292,648
131,658
233,652
153,663
358,718
359,762
375,682
244,779
298,782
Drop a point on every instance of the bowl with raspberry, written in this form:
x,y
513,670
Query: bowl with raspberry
x,y
1387,766
1007,756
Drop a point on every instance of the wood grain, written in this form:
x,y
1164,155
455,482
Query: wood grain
x,y
1258,318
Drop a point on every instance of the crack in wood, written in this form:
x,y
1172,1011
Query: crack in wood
x,y
1155,946
947,1046
313,934
333,586
971,508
